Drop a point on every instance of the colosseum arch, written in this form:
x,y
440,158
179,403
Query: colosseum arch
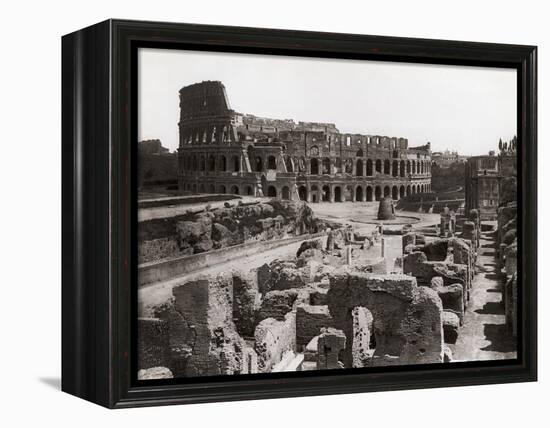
x,y
236,164
202,188
212,188
349,193
338,194
387,191
369,167
395,168
359,194
223,163
409,190
387,167
271,191
413,164
359,168
222,189
377,193
235,190
359,153
314,166
285,192
378,165
326,166
271,162
348,166
402,168
395,193
211,163
249,190
302,193
259,164
408,167
402,192
203,163
314,194
369,194
325,193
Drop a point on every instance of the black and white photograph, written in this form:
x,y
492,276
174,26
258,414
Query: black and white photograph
x,y
302,214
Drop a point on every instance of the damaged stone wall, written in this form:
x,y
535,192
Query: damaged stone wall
x,y
204,230
407,319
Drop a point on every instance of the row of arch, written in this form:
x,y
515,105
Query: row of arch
x,y
234,189
210,163
362,168
316,166
358,193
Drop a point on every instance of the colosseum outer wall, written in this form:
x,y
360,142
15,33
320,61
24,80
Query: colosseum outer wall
x,y
222,151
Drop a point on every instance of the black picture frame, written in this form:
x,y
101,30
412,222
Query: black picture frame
x,y
99,211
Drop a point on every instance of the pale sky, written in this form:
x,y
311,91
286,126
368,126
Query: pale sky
x,y
454,107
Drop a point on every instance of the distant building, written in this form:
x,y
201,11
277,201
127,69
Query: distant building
x,y
156,165
152,147
483,179
222,151
447,158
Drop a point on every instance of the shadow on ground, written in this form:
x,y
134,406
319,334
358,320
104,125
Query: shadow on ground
x,y
500,338
491,308
52,382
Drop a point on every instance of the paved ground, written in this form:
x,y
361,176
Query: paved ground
x,y
359,213
484,335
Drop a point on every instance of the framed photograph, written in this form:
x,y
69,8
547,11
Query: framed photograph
x,y
253,213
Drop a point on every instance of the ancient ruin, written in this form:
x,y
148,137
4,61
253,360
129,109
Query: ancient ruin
x,y
222,151
252,268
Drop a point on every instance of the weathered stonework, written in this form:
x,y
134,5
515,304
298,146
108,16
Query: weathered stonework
x,y
407,318
222,151
329,345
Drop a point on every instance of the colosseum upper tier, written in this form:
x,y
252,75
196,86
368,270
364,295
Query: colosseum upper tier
x,y
222,151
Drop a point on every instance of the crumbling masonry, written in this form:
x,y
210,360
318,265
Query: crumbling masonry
x,y
222,151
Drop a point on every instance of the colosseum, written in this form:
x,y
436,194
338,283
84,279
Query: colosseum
x,y
222,151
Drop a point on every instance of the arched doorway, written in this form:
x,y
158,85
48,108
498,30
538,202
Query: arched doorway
x,y
408,190
314,194
302,193
326,166
271,162
402,168
314,166
387,191
369,167
359,168
271,191
338,194
222,189
387,167
369,194
236,164
235,190
223,163
395,168
285,192
359,194
249,191
325,193
378,165
259,164
377,193
402,192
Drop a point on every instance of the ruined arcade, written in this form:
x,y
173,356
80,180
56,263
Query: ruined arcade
x,y
223,151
